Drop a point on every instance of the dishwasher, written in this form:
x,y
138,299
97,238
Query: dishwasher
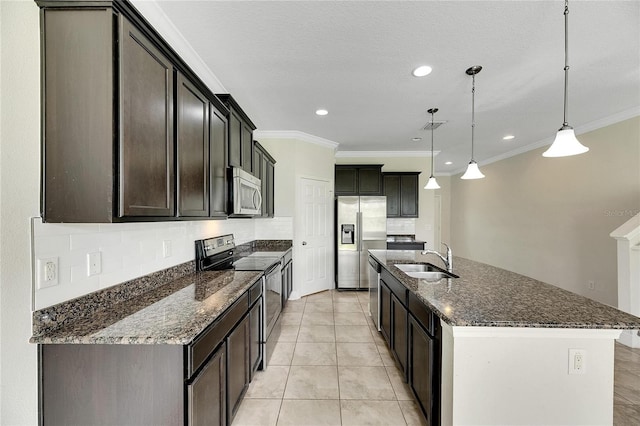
x,y
374,291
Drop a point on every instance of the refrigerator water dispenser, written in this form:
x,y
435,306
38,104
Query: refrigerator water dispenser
x,y
347,234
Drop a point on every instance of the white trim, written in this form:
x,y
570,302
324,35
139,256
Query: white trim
x,y
526,332
367,154
295,134
628,230
161,23
588,127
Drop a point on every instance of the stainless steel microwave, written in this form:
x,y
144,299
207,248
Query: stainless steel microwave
x,y
247,193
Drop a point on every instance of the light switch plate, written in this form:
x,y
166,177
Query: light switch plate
x,y
94,263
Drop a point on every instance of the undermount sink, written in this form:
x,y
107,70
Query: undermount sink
x,y
424,271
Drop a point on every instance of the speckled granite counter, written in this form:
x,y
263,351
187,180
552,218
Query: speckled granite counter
x,y
488,296
172,314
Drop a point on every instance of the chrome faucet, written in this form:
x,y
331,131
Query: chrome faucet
x,y
448,261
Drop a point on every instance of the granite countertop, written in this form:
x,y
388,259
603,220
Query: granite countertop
x,y
488,296
172,314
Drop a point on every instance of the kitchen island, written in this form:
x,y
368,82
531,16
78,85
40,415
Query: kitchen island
x,y
506,345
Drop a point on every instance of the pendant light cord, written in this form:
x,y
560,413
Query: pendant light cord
x,y
473,112
432,143
566,60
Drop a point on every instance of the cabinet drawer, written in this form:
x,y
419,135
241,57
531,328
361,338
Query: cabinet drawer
x,y
424,315
255,291
399,290
204,344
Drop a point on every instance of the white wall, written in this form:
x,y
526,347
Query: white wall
x,y
550,218
424,224
19,194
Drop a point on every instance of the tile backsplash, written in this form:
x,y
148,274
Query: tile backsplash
x,y
130,250
401,226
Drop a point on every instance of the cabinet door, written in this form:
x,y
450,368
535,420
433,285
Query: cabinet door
x,y
217,163
370,180
192,149
409,195
392,191
257,163
346,180
385,312
399,333
206,394
235,140
146,164
255,337
237,366
247,147
421,370
270,189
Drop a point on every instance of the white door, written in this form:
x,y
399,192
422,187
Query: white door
x,y
313,237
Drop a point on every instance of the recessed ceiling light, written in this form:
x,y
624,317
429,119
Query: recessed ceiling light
x,y
508,137
448,163
421,71
322,112
416,139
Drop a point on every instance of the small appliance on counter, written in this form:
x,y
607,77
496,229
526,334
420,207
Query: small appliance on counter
x,y
219,253
361,225
404,242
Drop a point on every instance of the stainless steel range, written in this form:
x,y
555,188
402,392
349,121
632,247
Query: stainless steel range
x,y
219,253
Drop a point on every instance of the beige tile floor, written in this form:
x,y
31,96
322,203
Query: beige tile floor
x,y
330,367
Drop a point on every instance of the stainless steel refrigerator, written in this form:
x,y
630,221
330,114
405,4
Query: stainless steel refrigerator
x,y
361,225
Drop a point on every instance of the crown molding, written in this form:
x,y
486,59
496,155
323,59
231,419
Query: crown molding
x,y
585,128
152,12
295,134
382,154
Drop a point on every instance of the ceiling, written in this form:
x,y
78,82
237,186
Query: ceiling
x,y
282,60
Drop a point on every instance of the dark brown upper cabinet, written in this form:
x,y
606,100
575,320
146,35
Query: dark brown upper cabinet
x,y
401,189
358,179
192,129
263,168
240,134
119,115
218,132
145,151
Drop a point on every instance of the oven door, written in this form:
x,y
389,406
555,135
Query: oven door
x,y
247,196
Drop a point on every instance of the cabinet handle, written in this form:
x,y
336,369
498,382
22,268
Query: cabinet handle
x,y
304,243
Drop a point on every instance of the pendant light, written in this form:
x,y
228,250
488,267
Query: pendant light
x,y
432,183
473,172
565,143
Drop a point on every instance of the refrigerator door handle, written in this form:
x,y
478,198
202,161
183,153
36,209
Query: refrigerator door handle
x,y
359,231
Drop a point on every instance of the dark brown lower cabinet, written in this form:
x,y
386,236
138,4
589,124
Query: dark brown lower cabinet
x,y
424,370
385,312
206,394
237,366
200,383
399,333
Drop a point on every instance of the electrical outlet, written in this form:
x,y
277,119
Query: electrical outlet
x,y
47,273
166,248
591,285
577,361
94,263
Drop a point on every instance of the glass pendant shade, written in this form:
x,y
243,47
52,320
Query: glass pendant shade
x,y
432,184
565,144
473,172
